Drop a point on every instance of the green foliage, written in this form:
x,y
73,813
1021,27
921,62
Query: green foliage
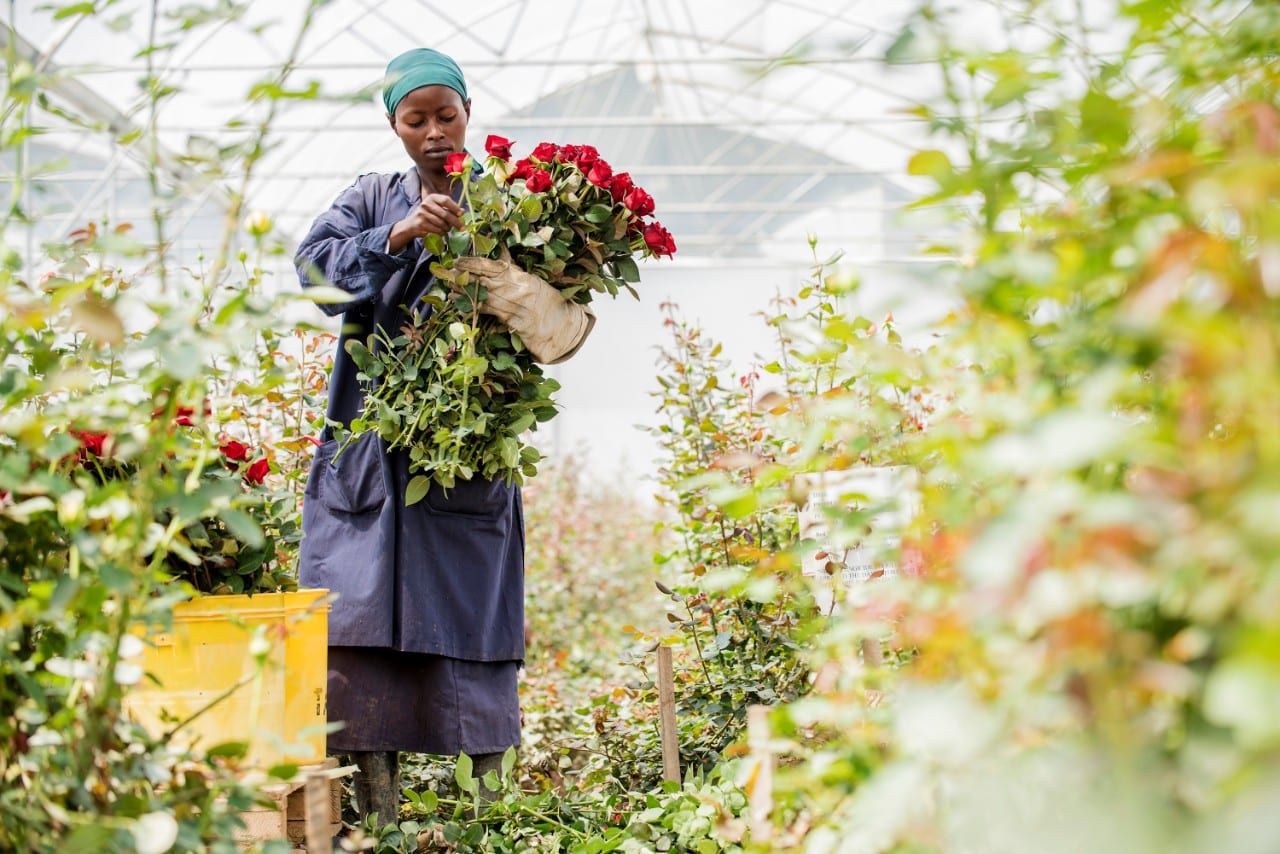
x,y
586,585
149,449
1079,651
671,818
103,513
455,390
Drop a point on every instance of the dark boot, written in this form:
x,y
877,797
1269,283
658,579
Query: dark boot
x,y
377,785
481,764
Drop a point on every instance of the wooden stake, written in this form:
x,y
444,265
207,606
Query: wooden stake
x,y
667,710
318,817
760,797
872,653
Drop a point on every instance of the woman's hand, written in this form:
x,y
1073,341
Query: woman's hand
x,y
435,214
551,327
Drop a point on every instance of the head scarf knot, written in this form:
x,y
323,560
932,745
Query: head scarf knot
x,y
420,67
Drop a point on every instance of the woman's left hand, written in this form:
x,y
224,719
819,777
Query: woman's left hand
x,y
439,214
435,214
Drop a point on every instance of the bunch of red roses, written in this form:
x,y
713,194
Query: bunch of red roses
x,y
562,213
455,388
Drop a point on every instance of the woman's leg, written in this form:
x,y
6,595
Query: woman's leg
x,y
481,764
377,785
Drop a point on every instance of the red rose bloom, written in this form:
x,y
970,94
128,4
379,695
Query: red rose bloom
x,y
638,201
523,169
620,185
183,416
456,163
601,174
539,181
567,154
257,472
545,152
659,240
235,451
497,146
587,157
91,442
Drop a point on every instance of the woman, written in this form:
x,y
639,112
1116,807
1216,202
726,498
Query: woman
x,y
426,635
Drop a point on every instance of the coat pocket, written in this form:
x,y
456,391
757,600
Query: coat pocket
x,y
354,482
477,497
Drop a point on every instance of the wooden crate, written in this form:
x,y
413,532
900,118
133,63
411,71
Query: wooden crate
x,y
286,818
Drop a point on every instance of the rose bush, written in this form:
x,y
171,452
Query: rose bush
x,y
242,540
456,388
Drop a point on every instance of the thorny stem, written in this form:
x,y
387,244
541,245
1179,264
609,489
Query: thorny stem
x,y
474,318
697,641
724,542
158,217
783,352
685,358
232,222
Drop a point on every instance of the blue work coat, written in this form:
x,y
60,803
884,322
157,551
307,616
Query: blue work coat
x,y
445,575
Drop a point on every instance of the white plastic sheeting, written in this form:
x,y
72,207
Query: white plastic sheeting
x,y
754,123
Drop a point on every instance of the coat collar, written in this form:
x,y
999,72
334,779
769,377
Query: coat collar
x,y
411,186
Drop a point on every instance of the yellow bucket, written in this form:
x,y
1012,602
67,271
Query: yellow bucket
x,y
279,708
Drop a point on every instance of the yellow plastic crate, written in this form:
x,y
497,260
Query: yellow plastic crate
x,y
279,709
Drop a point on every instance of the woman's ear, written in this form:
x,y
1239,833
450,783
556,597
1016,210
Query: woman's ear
x,y
391,118
466,106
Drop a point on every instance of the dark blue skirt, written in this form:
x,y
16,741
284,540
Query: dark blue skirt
x,y
420,703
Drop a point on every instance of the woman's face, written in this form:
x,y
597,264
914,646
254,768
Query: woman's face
x,y
431,121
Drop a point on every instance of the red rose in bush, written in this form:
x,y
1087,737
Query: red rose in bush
x,y
90,441
257,472
235,451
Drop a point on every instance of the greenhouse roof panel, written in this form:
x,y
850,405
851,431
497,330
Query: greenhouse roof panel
x,y
741,117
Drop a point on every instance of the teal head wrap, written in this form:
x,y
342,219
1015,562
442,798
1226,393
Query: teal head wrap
x,y
420,67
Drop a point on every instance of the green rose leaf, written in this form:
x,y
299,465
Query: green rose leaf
x,y
627,269
417,489
242,526
597,214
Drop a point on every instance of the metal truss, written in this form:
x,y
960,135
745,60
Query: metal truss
x,y
748,119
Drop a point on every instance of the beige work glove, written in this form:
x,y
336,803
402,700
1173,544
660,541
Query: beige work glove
x,y
552,327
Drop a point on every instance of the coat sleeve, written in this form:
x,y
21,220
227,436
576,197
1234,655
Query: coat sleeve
x,y
346,246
